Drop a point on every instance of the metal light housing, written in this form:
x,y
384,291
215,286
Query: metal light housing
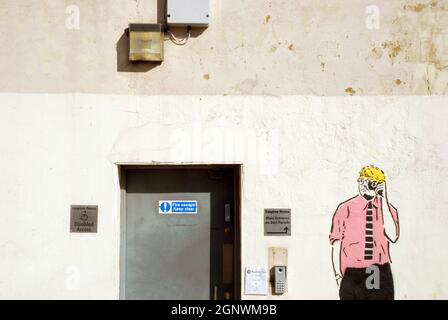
x,y
145,42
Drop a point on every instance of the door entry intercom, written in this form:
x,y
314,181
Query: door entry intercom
x,y
279,279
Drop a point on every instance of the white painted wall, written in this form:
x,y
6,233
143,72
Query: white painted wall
x,y
64,129
300,152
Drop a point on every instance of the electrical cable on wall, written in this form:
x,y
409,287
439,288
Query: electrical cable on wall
x,y
172,37
177,41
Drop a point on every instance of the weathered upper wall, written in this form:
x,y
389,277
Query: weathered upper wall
x,y
253,47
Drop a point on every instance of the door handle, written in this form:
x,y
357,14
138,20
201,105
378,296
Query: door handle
x,y
215,293
227,212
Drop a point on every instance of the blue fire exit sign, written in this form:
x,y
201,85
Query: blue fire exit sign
x,y
178,207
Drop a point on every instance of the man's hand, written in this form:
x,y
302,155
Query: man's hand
x,y
381,190
338,278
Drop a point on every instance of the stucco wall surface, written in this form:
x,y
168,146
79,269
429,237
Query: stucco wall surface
x,y
298,152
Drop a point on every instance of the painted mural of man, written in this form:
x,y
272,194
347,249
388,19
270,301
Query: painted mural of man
x,y
362,229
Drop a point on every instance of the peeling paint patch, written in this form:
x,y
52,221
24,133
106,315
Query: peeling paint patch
x,y
350,91
419,7
433,3
394,48
419,37
267,18
398,82
206,76
434,59
290,47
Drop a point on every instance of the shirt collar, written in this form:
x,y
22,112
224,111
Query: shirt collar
x,y
365,203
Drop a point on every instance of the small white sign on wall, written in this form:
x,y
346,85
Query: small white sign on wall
x,y
256,281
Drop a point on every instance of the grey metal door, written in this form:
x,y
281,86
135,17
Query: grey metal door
x,y
180,256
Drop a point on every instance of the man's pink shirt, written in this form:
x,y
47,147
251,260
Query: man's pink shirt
x,y
349,227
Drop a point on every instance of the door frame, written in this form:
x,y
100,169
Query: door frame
x,y
122,170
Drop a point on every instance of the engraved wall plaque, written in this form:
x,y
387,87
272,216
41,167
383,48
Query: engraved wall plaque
x,y
83,219
277,222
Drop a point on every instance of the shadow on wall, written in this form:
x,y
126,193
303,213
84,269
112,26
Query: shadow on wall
x,y
123,63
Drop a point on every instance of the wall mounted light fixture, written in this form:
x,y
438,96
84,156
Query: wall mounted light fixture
x,y
145,42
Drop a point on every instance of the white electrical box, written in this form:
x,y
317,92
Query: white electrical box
x,y
194,13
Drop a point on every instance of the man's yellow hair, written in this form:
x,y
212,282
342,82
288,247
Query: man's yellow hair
x,y
372,173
